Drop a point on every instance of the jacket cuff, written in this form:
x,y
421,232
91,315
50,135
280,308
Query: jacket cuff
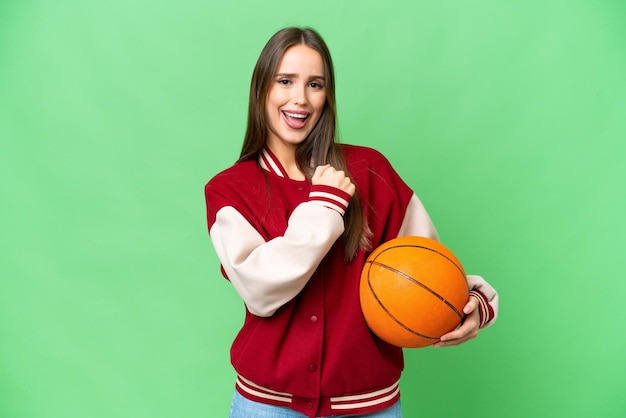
x,y
330,197
484,309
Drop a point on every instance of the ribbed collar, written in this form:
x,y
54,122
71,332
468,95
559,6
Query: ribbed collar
x,y
269,162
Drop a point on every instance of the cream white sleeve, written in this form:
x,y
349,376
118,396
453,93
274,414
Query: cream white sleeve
x,y
268,274
417,222
487,299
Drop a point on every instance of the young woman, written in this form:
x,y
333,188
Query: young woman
x,y
292,223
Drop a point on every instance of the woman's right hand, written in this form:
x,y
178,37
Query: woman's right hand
x,y
327,175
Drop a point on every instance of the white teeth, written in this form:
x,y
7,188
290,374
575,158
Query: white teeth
x,y
296,115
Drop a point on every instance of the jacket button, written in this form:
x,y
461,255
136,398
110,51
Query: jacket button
x,y
314,319
312,367
309,405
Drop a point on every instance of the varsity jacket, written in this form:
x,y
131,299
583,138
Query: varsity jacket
x,y
304,343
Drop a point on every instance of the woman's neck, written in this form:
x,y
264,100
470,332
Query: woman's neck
x,y
287,158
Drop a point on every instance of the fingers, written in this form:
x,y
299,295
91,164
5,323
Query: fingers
x,y
467,331
471,305
327,175
319,170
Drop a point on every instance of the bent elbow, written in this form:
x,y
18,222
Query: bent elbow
x,y
265,299
260,309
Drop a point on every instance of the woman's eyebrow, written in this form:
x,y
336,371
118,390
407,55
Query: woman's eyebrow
x,y
294,75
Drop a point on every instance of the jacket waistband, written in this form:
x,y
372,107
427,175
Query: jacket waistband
x,y
346,404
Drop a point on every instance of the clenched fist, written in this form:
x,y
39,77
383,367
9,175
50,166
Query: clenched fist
x,y
327,175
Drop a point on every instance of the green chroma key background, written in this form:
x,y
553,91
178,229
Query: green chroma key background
x,y
507,118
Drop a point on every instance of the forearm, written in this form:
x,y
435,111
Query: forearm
x,y
417,222
269,274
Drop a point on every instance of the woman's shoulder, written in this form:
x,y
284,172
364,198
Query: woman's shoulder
x,y
240,173
359,154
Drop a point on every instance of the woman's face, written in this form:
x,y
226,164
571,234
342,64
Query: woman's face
x,y
296,97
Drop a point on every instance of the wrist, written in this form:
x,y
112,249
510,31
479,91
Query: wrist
x,y
485,311
330,197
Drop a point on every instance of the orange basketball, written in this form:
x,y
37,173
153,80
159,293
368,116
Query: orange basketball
x,y
413,290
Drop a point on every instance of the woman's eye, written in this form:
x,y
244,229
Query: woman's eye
x,y
284,81
316,85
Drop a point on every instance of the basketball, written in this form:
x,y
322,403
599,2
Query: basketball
x,y
412,291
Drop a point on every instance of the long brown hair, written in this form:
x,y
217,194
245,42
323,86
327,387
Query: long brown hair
x,y
320,147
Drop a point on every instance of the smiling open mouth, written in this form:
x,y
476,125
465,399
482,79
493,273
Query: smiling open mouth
x,y
295,120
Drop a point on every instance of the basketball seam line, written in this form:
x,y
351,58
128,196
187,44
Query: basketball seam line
x,y
406,276
428,249
369,283
416,282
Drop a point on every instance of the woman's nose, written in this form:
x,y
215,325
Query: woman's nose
x,y
300,95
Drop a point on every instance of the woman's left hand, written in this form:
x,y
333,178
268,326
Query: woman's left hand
x,y
467,330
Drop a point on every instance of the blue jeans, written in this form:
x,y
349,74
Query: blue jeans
x,y
245,408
